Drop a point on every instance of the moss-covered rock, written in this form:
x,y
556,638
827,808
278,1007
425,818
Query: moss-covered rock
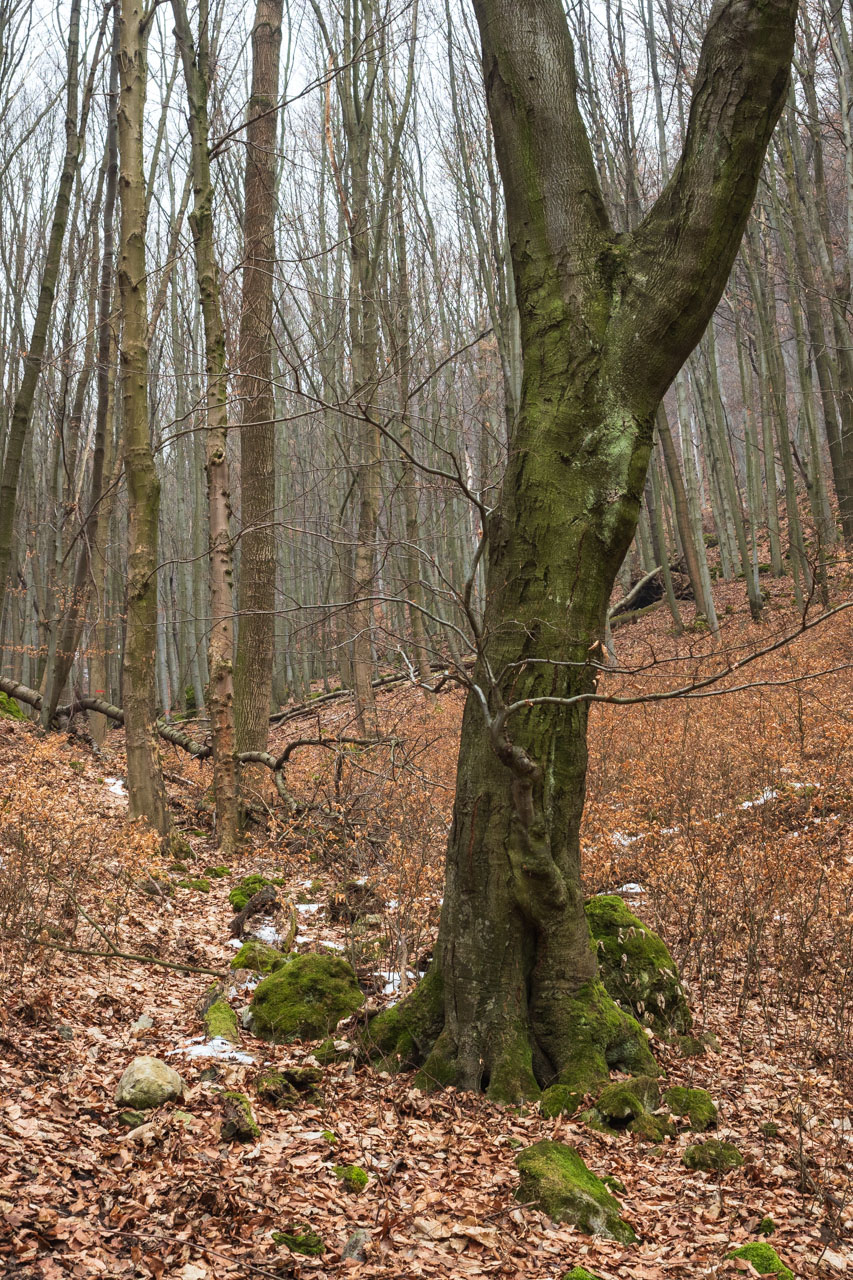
x,y
354,899
554,1177
628,1104
259,956
625,1099
246,889
580,1273
689,1046
306,999
331,1051
636,967
352,1176
300,1239
198,883
217,873
238,1123
558,1100
696,1104
765,1259
603,1038
712,1156
131,1119
402,1036
287,1088
766,1227
769,1129
220,1021
9,708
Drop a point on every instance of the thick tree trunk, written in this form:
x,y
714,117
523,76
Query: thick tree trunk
x,y
514,950
512,1002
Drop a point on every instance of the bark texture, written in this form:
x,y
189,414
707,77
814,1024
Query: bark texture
x,y
513,1002
146,792
256,599
220,645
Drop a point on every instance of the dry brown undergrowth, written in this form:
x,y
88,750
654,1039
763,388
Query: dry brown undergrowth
x,y
733,815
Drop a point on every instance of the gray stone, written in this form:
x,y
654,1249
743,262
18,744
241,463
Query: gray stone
x,y
148,1082
354,1247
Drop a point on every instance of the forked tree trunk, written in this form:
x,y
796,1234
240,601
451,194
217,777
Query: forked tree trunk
x,y
512,1002
146,792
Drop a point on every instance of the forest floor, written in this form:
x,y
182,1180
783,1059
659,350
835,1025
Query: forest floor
x,y
730,821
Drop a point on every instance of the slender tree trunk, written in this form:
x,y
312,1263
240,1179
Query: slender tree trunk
x,y
220,648
23,407
147,794
75,616
253,671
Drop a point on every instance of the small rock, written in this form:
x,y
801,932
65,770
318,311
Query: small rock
x,y
147,1083
65,1032
765,1259
712,1156
300,1240
555,1178
696,1104
142,1023
355,1246
238,1123
131,1119
287,1088
351,1176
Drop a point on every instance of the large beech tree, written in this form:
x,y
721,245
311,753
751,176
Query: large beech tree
x,y
512,1002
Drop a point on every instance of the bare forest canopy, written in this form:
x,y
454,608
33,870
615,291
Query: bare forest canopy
x,y
394,354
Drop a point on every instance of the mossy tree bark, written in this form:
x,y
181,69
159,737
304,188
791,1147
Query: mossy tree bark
x,y
513,1001
146,791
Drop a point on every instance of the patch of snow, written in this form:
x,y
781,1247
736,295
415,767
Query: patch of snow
x,y
267,933
308,906
669,831
333,946
393,980
632,887
303,937
116,786
766,795
620,838
392,904
236,943
218,1048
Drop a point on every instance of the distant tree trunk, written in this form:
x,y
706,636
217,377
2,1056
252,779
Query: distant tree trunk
x,y
23,407
147,794
75,616
253,672
220,646
512,1002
